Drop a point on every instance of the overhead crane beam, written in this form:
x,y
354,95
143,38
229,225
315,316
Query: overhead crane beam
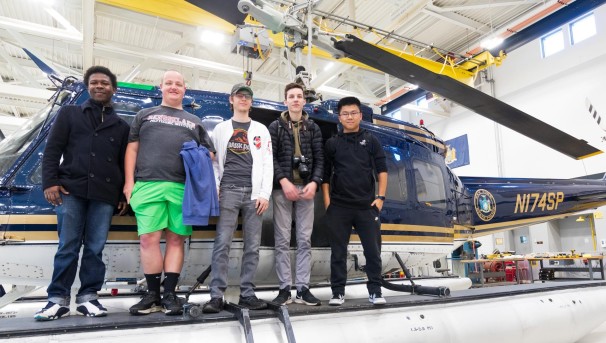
x,y
187,13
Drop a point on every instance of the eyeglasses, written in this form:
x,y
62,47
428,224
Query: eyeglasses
x,y
241,96
349,114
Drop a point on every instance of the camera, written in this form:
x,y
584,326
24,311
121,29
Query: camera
x,y
301,162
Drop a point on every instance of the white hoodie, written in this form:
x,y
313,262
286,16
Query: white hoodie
x,y
263,163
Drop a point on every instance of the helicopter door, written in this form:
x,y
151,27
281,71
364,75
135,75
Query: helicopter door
x,y
397,205
430,190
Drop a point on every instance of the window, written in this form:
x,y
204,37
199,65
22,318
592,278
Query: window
x,y
582,29
429,183
552,43
396,178
421,103
36,177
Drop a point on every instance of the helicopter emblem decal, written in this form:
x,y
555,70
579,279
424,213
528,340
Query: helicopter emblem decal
x,y
485,205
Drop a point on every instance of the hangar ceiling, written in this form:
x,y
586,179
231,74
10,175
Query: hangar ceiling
x,y
140,39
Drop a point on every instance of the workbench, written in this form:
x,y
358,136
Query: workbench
x,y
482,275
571,268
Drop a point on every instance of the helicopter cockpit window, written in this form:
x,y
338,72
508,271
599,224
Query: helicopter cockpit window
x,y
429,183
15,144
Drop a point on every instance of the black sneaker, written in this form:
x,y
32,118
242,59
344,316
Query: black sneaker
x,y
283,297
51,311
150,302
215,305
252,303
92,309
305,297
336,300
172,305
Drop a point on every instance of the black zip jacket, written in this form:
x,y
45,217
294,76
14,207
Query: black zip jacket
x,y
282,141
92,140
350,160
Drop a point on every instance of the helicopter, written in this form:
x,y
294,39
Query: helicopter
x,y
428,213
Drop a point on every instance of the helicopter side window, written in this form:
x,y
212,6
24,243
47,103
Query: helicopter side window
x,y
36,177
209,123
128,118
429,183
396,177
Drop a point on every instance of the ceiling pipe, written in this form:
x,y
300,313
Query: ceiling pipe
x,y
402,100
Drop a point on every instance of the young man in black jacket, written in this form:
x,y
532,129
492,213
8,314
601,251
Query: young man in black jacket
x,y
352,159
85,188
298,170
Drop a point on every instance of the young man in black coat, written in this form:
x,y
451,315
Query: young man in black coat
x,y
353,158
86,186
298,169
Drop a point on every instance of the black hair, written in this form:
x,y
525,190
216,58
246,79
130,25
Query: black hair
x,y
348,100
101,70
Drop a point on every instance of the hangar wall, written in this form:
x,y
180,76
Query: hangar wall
x,y
554,90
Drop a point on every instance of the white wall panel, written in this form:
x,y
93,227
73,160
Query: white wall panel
x,y
553,90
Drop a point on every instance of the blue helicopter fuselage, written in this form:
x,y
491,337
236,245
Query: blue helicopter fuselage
x,y
429,211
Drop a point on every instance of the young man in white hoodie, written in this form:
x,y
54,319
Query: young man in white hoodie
x,y
244,173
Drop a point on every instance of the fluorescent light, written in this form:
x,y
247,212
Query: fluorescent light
x,y
329,66
45,2
212,37
491,42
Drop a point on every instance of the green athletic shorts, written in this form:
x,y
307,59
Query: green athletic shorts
x,y
158,205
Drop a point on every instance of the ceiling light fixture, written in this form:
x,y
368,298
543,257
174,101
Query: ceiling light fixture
x,y
491,43
212,37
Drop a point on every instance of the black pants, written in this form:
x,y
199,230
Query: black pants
x,y
368,226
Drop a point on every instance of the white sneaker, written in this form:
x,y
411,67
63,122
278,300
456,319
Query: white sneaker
x,y
51,311
377,299
91,309
336,300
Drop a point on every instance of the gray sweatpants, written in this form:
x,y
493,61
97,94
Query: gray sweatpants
x,y
304,218
231,201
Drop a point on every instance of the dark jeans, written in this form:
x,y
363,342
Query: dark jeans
x,y
368,226
80,222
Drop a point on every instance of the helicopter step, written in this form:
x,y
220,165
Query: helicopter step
x,y
520,313
243,316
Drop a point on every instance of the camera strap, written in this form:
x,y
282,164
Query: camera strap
x,y
296,132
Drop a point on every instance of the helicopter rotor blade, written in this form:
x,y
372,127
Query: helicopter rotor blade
x,y
469,97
